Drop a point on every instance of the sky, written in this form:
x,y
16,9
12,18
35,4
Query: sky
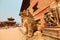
x,y
10,8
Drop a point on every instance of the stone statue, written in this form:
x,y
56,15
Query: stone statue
x,y
28,22
33,26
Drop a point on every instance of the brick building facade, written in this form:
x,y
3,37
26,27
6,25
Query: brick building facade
x,y
37,8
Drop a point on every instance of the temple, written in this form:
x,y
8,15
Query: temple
x,y
48,12
9,23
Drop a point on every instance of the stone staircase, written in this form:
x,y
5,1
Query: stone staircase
x,y
51,33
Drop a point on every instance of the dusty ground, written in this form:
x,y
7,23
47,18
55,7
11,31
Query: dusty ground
x,y
11,34
18,33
